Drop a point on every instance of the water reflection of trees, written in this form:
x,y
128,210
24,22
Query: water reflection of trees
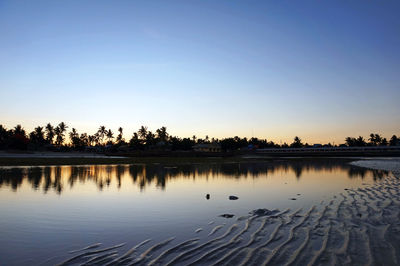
x,y
56,177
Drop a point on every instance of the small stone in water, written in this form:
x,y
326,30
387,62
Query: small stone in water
x,y
227,215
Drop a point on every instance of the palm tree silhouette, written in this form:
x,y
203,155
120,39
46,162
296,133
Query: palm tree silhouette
x,y
110,136
49,133
162,134
74,137
59,132
18,130
119,137
37,136
150,137
142,132
297,143
91,140
101,133
393,141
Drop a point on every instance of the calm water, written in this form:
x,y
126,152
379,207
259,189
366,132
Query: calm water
x,y
47,211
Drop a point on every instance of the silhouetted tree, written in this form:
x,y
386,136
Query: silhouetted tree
x,y
110,136
135,141
101,133
18,138
4,137
296,143
360,142
375,139
142,132
162,134
150,139
74,137
394,141
119,137
49,133
351,142
59,132
91,140
37,136
84,140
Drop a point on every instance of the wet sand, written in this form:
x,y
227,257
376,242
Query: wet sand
x,y
359,226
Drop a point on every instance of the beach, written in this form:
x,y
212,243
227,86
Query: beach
x,y
358,226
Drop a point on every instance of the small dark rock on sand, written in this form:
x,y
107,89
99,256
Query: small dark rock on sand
x,y
263,212
233,198
208,196
227,215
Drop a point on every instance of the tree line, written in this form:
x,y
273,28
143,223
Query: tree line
x,y
58,138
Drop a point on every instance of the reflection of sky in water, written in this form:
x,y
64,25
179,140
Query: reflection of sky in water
x,y
49,210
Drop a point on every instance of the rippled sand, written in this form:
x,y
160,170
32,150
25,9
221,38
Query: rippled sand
x,y
356,227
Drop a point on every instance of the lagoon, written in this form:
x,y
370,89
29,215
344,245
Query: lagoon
x,y
48,211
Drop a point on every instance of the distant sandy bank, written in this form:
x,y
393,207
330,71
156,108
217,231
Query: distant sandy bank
x,y
389,164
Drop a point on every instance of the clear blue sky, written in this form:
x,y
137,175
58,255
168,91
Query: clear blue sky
x,y
321,70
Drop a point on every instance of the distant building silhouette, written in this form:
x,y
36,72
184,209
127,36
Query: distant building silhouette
x,y
207,147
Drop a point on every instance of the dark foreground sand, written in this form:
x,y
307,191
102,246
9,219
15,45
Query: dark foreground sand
x,y
356,227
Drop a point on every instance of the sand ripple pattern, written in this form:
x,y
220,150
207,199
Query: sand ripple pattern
x,y
356,227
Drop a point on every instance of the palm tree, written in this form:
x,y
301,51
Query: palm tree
x,y
91,140
135,141
110,136
74,136
39,133
119,137
49,133
360,142
4,135
18,138
350,141
162,134
84,139
37,136
150,138
142,132
297,143
394,141
96,138
18,130
101,133
375,139
59,131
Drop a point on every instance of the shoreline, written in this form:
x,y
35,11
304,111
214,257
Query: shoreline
x,y
46,160
385,164
49,159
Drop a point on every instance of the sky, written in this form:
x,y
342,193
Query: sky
x,y
320,70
